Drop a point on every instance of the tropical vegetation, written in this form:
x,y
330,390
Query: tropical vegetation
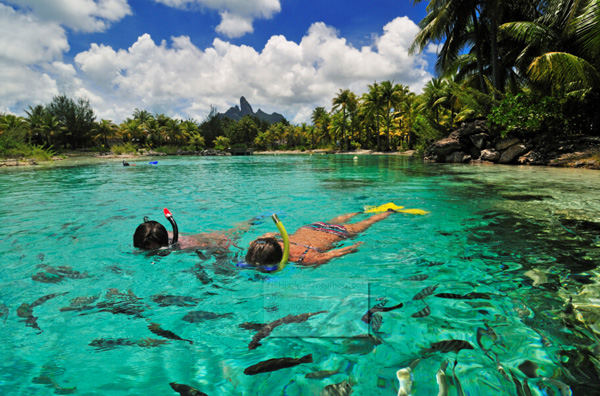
x,y
527,67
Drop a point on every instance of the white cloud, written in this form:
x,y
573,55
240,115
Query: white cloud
x,y
25,39
287,77
237,16
80,15
433,48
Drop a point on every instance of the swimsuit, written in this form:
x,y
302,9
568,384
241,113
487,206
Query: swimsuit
x,y
305,252
334,229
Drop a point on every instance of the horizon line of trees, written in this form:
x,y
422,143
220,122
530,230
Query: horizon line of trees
x,y
527,67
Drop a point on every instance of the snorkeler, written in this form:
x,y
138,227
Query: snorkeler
x,y
313,243
152,235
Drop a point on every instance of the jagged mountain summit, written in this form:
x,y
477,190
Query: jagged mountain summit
x,y
237,113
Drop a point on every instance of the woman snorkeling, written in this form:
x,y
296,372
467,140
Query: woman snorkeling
x,y
313,243
152,235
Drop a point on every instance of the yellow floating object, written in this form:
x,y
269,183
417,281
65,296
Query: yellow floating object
x,y
395,208
413,211
382,208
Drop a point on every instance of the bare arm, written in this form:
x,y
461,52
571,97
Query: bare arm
x,y
321,258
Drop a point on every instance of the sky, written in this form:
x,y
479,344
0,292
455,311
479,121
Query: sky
x,y
182,57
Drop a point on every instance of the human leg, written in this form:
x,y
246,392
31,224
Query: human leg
x,y
362,225
343,218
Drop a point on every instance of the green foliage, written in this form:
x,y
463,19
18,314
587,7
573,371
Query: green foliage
x,y
523,114
77,119
221,143
167,149
355,145
126,148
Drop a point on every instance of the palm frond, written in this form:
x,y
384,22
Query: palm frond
x,y
562,68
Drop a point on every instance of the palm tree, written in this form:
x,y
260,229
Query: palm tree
x,y
34,119
346,101
455,23
104,130
392,96
373,103
320,119
560,48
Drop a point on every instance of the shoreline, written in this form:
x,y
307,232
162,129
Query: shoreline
x,y
575,160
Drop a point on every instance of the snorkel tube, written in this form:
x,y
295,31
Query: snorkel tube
x,y
169,217
286,242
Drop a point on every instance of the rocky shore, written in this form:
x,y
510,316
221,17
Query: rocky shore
x,y
474,142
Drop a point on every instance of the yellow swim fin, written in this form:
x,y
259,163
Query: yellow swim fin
x,y
382,208
394,207
413,211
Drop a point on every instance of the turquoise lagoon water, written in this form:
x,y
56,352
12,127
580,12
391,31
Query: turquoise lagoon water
x,y
524,238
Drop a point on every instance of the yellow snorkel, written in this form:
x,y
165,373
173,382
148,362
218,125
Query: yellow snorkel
x,y
286,242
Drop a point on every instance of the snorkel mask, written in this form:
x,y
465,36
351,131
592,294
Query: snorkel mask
x,y
284,258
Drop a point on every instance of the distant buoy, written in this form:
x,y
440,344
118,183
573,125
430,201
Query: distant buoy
x,y
355,158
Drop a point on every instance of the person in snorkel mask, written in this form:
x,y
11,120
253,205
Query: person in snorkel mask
x,y
152,235
311,244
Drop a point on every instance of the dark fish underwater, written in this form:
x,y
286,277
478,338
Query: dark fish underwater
x,y
276,364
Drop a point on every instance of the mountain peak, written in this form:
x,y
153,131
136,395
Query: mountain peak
x,y
237,113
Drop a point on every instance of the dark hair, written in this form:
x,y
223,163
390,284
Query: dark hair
x,y
150,235
264,251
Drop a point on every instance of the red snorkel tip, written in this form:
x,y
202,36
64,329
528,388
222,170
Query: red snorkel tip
x,y
167,213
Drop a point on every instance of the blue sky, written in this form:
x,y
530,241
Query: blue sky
x,y
180,57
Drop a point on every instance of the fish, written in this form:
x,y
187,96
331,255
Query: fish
x,y
198,316
200,273
448,346
419,277
405,381
267,329
453,296
156,329
4,311
529,368
425,292
186,390
276,364
340,389
59,390
252,326
43,299
468,296
321,374
103,344
126,308
488,332
361,344
25,310
422,313
442,380
376,321
179,301
459,388
378,308
45,277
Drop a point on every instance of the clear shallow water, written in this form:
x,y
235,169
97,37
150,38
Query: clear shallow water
x,y
488,228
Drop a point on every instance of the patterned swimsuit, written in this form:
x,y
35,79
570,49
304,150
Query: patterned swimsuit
x,y
334,229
